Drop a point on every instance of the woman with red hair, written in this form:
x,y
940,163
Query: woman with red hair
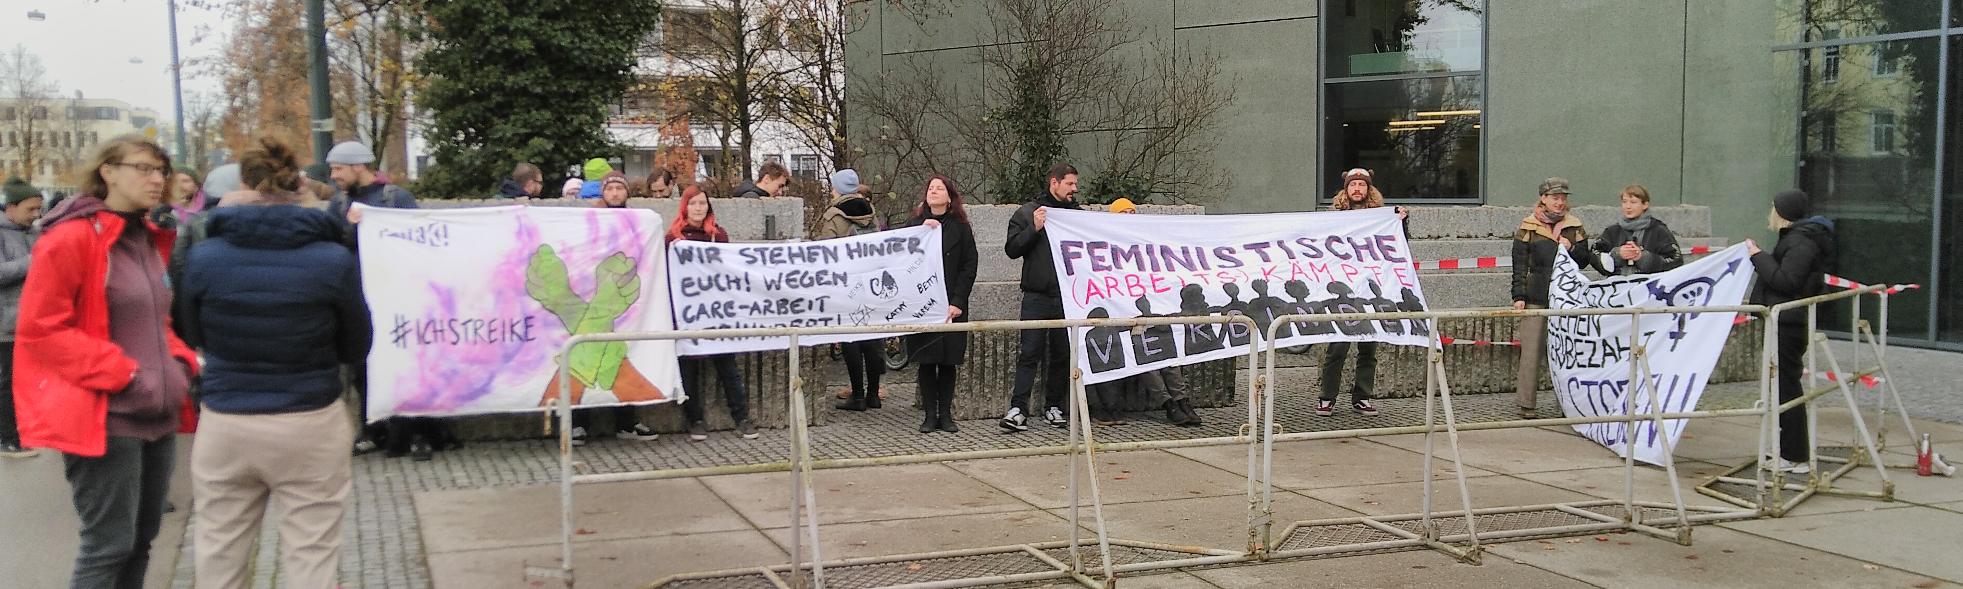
x,y
695,220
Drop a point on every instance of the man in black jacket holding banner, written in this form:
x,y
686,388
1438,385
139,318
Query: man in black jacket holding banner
x,y
1041,299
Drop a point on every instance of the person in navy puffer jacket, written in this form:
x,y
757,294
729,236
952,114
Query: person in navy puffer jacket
x,y
273,299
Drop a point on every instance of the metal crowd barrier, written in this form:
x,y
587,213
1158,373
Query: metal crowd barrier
x,y
1434,529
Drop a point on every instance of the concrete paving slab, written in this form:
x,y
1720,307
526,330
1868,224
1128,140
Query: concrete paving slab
x,y
633,562
1652,482
1402,498
1395,570
1331,463
933,534
477,519
864,494
1719,558
1518,450
1916,539
1719,442
1124,477
1909,490
1212,522
1175,580
1834,420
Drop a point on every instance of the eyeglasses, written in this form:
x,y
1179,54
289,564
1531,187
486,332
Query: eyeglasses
x,y
145,169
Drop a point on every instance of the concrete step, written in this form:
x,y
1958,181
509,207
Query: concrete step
x,y
1486,222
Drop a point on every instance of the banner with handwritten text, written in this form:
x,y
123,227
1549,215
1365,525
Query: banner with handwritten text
x,y
1262,266
885,278
1590,356
472,306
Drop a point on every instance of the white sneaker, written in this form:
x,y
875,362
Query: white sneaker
x,y
639,432
1054,417
579,436
1013,421
1790,467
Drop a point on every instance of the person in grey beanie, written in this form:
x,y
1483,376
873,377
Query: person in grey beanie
x,y
851,213
16,249
352,166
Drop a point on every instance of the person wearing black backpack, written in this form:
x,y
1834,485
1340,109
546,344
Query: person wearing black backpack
x,y
1795,269
851,213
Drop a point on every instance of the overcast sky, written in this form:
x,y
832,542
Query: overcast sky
x,y
88,45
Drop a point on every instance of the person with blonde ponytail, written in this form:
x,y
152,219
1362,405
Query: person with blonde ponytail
x,y
273,299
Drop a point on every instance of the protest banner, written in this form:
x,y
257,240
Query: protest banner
x,y
472,306
885,278
1590,355
1111,265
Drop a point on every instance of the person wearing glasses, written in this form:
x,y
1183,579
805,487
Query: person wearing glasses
x,y
101,377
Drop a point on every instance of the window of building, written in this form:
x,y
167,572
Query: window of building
x,y
7,113
1830,57
1887,60
1883,124
1404,97
804,166
687,30
38,113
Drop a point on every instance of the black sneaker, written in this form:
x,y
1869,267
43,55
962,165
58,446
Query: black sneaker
x,y
1325,408
420,450
364,446
698,432
1363,406
579,435
1054,417
1192,417
744,428
639,432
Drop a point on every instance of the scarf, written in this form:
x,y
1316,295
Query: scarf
x,y
1637,227
191,207
1550,218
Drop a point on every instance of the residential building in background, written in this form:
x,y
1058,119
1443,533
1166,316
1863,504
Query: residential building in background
x,y
47,140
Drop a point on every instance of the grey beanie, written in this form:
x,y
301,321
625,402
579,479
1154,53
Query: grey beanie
x,y
349,153
221,181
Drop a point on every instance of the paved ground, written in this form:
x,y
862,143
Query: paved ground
x,y
486,504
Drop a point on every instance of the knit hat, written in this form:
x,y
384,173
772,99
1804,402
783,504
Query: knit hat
x,y
845,181
597,167
18,190
222,180
1123,205
350,153
1357,174
571,189
1792,205
612,177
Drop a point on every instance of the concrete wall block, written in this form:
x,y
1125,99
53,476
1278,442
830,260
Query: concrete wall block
x,y
744,218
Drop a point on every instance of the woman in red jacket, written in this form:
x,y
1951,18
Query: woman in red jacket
x,y
101,377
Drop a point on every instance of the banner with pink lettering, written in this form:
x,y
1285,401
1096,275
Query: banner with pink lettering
x,y
1262,266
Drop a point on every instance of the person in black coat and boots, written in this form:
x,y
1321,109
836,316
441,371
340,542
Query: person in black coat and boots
x,y
939,354
1640,244
1793,270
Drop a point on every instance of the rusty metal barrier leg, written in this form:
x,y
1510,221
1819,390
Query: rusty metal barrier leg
x,y
1260,416
1080,421
1472,551
804,498
1860,426
1660,429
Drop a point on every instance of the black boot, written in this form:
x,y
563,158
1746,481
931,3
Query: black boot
x,y
1192,417
856,403
929,423
946,413
872,386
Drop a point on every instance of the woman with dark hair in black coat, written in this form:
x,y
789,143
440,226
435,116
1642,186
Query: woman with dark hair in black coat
x,y
938,354
1793,270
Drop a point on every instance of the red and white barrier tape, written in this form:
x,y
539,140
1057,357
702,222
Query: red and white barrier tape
x,y
1475,342
1836,281
1870,381
1507,262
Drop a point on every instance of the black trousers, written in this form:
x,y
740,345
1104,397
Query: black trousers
x,y
1793,434
865,362
624,417
733,392
937,385
9,428
120,498
1045,349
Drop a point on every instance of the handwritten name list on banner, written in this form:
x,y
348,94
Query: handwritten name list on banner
x,y
472,306
886,278
1591,355
1261,266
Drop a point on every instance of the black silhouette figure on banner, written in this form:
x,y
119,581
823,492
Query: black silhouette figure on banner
x,y
1265,308
1104,345
1412,304
1300,290
1344,302
1237,334
1200,339
1695,292
1383,305
1152,343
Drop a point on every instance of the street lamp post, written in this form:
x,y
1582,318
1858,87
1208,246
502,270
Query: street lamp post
x,y
323,117
177,84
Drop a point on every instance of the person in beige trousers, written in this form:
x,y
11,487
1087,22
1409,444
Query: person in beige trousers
x,y
272,299
1539,239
